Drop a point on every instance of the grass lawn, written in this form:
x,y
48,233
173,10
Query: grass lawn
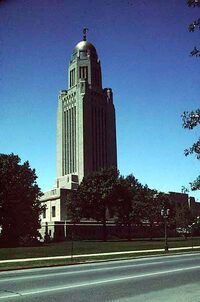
x,y
90,247
30,264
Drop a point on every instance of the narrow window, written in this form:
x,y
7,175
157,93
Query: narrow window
x,y
86,72
83,72
80,72
44,213
53,211
72,77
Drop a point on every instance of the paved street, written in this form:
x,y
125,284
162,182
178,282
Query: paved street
x,y
169,278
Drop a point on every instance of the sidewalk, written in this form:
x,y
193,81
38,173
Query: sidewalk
x,y
96,255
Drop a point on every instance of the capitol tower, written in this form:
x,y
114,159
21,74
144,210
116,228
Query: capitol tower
x,y
86,133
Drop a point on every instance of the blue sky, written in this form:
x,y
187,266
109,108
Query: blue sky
x,y
144,51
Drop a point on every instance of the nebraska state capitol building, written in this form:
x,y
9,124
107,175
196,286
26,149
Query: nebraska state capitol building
x,y
86,133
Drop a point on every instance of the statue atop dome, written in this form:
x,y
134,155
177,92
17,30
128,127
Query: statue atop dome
x,y
85,30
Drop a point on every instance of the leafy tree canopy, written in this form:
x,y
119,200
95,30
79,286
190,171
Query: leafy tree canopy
x,y
192,119
194,25
193,3
19,200
190,123
127,198
106,195
93,198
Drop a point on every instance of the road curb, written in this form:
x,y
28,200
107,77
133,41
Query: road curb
x,y
95,255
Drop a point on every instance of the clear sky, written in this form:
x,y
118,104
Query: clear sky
x,y
144,51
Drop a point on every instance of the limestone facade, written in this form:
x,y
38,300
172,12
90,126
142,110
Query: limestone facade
x,y
86,132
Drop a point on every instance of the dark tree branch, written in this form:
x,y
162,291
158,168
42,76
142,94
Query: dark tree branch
x,y
195,52
194,149
191,119
194,25
193,3
195,185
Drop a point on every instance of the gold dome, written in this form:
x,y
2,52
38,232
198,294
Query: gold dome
x,y
85,48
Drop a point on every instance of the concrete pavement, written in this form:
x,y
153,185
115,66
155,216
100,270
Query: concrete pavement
x,y
168,278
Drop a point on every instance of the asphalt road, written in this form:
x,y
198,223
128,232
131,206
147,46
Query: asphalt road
x,y
166,278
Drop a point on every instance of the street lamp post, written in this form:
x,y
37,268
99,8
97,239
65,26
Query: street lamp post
x,y
72,243
72,240
165,215
192,226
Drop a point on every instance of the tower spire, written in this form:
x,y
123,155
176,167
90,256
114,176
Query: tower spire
x,y
85,30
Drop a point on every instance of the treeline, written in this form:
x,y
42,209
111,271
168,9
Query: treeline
x,y
108,196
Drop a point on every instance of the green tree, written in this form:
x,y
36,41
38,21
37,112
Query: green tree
x,y
19,201
152,205
195,227
193,3
192,119
183,217
194,25
127,198
94,199
137,205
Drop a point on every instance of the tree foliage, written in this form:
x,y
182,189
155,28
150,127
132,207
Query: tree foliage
x,y
128,199
19,200
194,25
137,205
106,195
94,198
192,119
183,217
193,3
